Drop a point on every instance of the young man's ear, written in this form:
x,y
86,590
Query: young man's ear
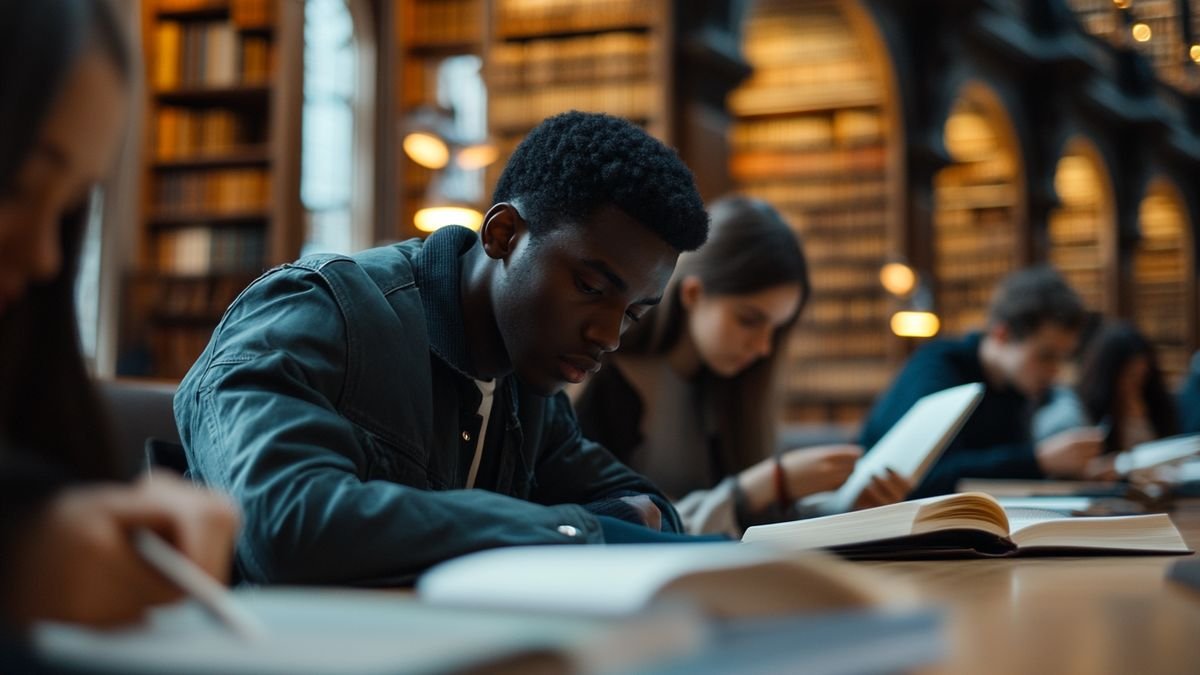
x,y
691,289
1000,332
502,226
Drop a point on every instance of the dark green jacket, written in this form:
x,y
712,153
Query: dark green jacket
x,y
335,404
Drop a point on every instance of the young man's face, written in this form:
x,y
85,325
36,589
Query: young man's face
x,y
1031,364
566,296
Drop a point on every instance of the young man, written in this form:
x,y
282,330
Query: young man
x,y
378,413
1033,327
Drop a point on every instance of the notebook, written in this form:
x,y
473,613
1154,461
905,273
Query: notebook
x,y
970,524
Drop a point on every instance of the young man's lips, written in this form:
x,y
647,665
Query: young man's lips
x,y
576,369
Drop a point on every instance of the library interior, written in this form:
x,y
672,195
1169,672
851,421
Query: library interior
x,y
935,366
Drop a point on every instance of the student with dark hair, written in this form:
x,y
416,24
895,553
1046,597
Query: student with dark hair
x,y
694,382
1189,399
378,413
68,506
1119,386
1033,326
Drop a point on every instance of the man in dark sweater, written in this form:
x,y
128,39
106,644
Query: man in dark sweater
x,y
1033,327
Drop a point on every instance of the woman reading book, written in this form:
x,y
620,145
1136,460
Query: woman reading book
x,y
1120,387
69,501
687,401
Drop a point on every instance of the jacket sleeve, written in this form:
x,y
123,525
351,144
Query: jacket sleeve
x,y
571,468
259,419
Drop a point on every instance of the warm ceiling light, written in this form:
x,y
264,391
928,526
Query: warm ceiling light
x,y
436,217
897,278
1194,52
915,324
477,156
1141,32
426,149
1122,4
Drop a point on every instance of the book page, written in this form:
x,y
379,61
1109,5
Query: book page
x,y
1155,453
1039,529
913,444
722,579
324,631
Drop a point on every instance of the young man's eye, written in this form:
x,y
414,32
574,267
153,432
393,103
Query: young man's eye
x,y
636,318
585,288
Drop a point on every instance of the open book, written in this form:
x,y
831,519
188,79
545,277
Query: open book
x,y
910,447
1153,454
720,579
966,525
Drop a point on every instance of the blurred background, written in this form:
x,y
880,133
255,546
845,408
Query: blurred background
x,y
921,148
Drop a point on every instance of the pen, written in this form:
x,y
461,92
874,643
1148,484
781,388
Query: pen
x,y
197,584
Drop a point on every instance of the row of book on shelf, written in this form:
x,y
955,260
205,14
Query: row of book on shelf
x,y
533,17
208,54
869,306
537,63
851,126
200,250
861,343
785,163
637,101
212,191
432,22
846,193
186,132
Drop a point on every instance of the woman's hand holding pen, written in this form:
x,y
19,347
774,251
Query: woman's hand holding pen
x,y
75,561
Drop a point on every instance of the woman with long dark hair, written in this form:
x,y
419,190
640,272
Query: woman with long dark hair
x,y
69,500
689,400
1119,387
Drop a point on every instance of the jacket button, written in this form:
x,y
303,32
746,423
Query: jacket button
x,y
568,530
466,436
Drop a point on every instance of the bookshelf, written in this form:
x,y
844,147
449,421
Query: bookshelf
x,y
220,187
428,32
810,136
549,56
1164,285
1082,227
977,208
1152,27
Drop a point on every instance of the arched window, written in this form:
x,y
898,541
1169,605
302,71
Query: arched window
x,y
977,205
331,177
1163,276
1081,229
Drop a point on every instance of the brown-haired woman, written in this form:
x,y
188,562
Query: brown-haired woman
x,y
69,500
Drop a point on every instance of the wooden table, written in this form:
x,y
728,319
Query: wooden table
x,y
1065,615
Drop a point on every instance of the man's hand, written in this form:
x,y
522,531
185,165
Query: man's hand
x,y
647,509
887,488
1069,453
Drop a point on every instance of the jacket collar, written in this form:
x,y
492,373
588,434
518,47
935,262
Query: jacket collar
x,y
438,268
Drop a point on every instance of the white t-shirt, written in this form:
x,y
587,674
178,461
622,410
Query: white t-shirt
x,y
488,389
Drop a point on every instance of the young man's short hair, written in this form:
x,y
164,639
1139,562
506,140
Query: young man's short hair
x,y
1032,297
573,164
